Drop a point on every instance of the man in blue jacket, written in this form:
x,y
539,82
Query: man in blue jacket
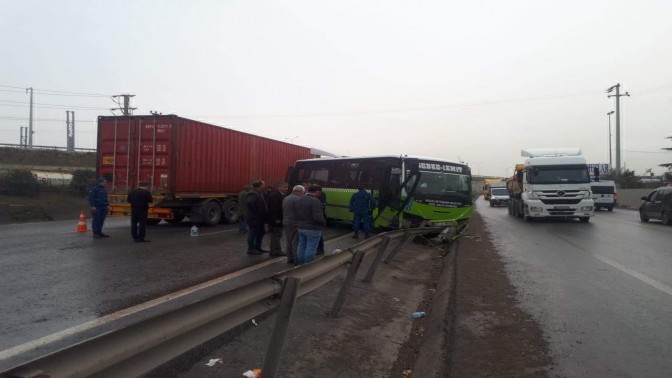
x,y
99,207
362,204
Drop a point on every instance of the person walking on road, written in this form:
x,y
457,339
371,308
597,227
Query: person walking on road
x,y
290,217
310,224
242,209
362,204
323,201
139,198
274,217
256,218
99,207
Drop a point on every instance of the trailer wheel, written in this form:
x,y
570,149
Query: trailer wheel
x,y
212,213
230,211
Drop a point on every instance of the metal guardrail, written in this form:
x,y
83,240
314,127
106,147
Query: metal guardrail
x,y
149,343
48,148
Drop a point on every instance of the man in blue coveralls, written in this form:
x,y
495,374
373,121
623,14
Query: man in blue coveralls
x,y
99,207
362,204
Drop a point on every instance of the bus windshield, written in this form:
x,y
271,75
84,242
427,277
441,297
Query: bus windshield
x,y
443,184
559,174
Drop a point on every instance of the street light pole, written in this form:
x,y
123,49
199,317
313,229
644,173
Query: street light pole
x,y
609,115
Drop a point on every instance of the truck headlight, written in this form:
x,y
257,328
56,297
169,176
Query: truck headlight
x,y
535,209
586,208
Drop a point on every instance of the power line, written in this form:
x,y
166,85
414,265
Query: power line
x,y
50,92
49,106
36,119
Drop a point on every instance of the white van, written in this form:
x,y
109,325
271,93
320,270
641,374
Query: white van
x,y
605,195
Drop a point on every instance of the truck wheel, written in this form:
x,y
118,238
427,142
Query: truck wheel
x,y
666,218
584,219
230,211
643,217
212,213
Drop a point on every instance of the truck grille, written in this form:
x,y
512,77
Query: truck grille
x,y
562,212
560,201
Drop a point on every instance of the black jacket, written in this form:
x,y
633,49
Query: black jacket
x,y
274,215
256,208
139,198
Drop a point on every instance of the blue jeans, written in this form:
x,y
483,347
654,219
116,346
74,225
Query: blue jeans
x,y
98,218
365,218
308,240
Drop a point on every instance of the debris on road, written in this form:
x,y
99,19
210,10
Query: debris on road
x,y
254,373
214,361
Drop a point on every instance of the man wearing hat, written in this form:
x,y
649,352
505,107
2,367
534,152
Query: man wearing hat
x,y
99,207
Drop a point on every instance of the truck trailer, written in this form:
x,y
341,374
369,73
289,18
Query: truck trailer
x,y
193,169
553,183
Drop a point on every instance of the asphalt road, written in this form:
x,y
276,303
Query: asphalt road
x,y
54,278
601,291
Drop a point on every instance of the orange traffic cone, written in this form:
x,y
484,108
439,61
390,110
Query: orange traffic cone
x,y
81,226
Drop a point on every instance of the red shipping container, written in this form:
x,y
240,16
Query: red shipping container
x,y
185,159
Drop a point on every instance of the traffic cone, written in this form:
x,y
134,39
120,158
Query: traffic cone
x,y
81,226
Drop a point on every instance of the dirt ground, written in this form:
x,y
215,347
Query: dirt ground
x,y
47,206
492,336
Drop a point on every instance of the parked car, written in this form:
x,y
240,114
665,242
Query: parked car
x,y
657,205
604,194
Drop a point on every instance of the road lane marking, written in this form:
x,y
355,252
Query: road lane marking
x,y
11,352
660,286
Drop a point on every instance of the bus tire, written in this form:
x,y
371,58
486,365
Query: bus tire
x,y
212,213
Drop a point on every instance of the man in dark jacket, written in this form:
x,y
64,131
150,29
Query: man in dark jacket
x,y
290,218
310,224
99,207
256,218
362,204
139,198
274,217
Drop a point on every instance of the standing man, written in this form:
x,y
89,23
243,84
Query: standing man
x,y
290,218
274,217
99,207
242,209
139,198
362,204
256,217
323,201
310,224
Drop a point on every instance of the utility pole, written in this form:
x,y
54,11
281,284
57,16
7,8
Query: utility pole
x,y
30,119
70,129
125,109
609,115
618,95
23,136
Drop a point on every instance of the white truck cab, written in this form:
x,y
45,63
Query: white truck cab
x,y
556,184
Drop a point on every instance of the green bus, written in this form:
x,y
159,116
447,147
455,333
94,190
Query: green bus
x,y
406,188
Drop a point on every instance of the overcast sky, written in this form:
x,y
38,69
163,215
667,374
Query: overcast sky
x,y
474,80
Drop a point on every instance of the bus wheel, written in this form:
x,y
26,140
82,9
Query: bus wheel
x,y
230,211
212,213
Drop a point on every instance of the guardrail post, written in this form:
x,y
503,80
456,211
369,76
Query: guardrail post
x,y
282,320
345,288
377,260
398,248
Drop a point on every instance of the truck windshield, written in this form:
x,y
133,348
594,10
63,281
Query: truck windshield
x,y
559,174
499,192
